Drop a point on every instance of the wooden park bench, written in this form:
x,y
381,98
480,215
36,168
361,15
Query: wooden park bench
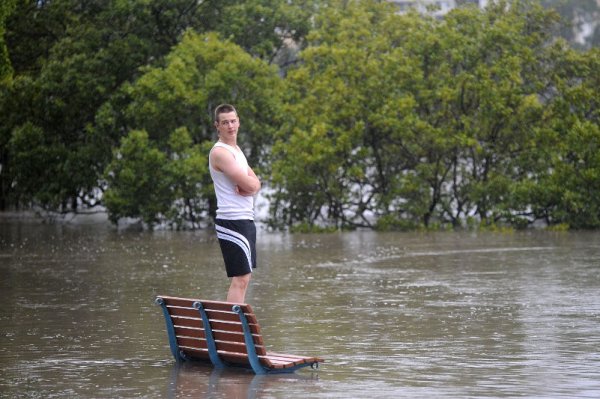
x,y
224,333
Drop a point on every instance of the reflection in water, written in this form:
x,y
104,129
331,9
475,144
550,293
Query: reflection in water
x,y
449,315
196,380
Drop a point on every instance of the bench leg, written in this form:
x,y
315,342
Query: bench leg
x,y
210,340
170,330
250,348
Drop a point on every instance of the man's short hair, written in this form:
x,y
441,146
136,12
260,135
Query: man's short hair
x,y
224,109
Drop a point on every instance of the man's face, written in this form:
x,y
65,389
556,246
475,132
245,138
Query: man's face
x,y
228,125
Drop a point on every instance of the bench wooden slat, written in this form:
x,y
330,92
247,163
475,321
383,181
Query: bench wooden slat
x,y
187,322
228,316
236,337
208,305
293,357
231,357
185,312
194,328
196,339
217,335
231,347
212,314
189,332
216,325
192,342
236,358
233,327
196,353
279,361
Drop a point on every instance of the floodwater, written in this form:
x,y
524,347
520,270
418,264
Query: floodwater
x,y
395,315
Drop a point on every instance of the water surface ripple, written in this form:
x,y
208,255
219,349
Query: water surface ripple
x,y
455,315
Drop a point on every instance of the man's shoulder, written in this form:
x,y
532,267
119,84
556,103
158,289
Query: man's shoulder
x,y
221,152
220,156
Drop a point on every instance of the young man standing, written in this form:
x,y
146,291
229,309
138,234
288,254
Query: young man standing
x,y
235,186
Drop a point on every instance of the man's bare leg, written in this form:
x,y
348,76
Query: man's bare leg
x,y
238,287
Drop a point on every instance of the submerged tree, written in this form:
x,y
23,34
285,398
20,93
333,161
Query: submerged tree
x,y
71,60
386,120
407,120
570,191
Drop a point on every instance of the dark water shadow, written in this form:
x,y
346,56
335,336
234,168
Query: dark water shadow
x,y
194,380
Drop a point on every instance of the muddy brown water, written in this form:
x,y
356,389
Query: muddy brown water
x,y
444,314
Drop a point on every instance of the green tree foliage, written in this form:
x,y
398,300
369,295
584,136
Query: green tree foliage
x,y
71,60
158,185
572,186
344,111
406,120
69,57
6,8
494,73
385,120
139,180
30,155
266,28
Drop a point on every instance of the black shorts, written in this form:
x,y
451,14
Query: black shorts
x,y
238,245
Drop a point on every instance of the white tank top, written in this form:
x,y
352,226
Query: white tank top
x,y
230,205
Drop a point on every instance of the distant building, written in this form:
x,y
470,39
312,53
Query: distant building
x,y
435,7
480,3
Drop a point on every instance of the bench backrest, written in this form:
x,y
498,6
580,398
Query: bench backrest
x,y
226,329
